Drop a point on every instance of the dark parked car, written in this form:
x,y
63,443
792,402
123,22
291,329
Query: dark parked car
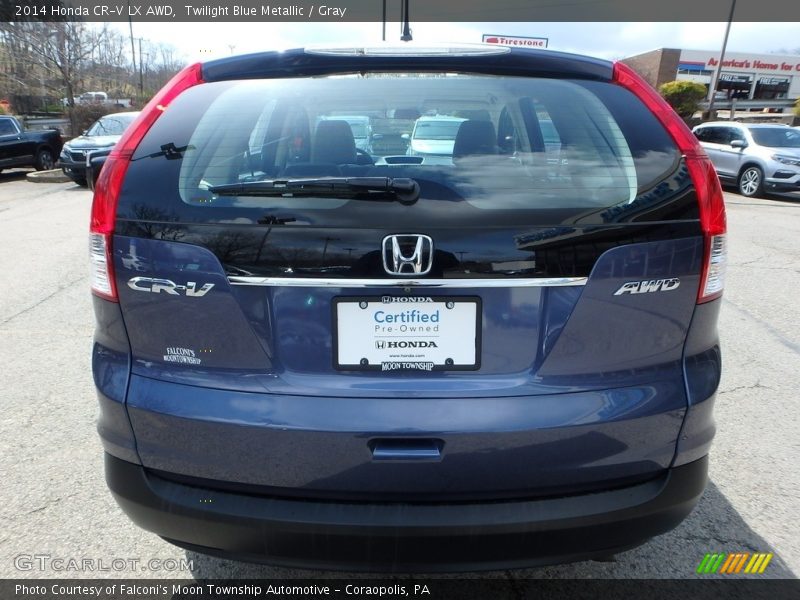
x,y
306,356
97,141
20,148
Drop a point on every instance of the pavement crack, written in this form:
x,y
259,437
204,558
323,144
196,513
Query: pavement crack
x,y
759,260
767,268
68,285
49,504
720,542
756,386
790,344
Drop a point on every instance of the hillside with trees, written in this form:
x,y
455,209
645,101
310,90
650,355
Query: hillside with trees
x,y
45,66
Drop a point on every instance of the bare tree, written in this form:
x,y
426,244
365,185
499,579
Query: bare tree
x,y
110,70
163,63
59,52
62,59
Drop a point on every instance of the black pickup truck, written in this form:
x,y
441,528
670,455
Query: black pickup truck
x,y
19,148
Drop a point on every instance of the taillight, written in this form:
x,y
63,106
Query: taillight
x,y
107,188
706,183
712,222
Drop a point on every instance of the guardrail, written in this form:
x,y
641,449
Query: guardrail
x,y
45,123
747,104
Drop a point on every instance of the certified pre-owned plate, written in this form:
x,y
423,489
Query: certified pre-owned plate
x,y
407,333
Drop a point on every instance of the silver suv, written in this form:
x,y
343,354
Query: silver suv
x,y
756,157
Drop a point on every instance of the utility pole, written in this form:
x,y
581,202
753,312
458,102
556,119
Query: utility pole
x,y
712,88
130,25
384,21
141,72
406,37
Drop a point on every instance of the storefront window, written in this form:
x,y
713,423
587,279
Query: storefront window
x,y
772,88
735,85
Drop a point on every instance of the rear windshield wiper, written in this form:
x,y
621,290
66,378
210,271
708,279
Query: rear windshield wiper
x,y
402,189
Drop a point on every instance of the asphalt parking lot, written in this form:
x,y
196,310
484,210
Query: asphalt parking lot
x,y
54,498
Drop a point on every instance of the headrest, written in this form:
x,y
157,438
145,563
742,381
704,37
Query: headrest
x,y
333,143
475,138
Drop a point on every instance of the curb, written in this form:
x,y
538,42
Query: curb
x,y
52,176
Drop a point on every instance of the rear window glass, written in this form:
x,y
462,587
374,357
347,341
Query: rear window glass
x,y
491,143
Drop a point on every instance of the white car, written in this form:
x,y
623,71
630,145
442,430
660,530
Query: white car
x,y
434,135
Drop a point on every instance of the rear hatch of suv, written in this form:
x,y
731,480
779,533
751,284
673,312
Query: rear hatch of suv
x,y
311,320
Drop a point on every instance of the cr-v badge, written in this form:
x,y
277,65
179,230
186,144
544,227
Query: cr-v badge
x,y
651,285
408,254
148,284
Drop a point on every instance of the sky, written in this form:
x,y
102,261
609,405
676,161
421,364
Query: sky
x,y
209,40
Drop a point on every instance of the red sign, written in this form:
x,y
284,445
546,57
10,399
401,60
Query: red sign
x,y
515,40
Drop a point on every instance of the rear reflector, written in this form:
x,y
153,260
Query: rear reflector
x,y
108,186
711,203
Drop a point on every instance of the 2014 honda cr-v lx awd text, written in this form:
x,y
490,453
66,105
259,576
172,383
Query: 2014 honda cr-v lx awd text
x,y
309,354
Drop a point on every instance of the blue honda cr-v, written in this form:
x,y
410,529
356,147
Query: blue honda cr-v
x,y
309,354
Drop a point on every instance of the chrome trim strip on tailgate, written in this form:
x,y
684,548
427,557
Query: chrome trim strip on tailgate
x,y
422,283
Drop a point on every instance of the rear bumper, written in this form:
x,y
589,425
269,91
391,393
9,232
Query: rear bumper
x,y
518,446
406,537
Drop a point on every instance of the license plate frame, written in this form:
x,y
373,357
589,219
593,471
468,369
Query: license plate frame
x,y
426,359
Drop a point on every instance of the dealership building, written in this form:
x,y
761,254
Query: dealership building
x,y
742,75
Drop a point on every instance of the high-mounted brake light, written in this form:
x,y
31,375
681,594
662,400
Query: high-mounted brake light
x,y
408,50
710,200
106,192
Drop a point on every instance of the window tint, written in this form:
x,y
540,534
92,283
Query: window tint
x,y
776,137
735,134
549,132
506,140
111,125
505,143
715,135
257,141
7,127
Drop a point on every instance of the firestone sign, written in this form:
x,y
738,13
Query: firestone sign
x,y
516,40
